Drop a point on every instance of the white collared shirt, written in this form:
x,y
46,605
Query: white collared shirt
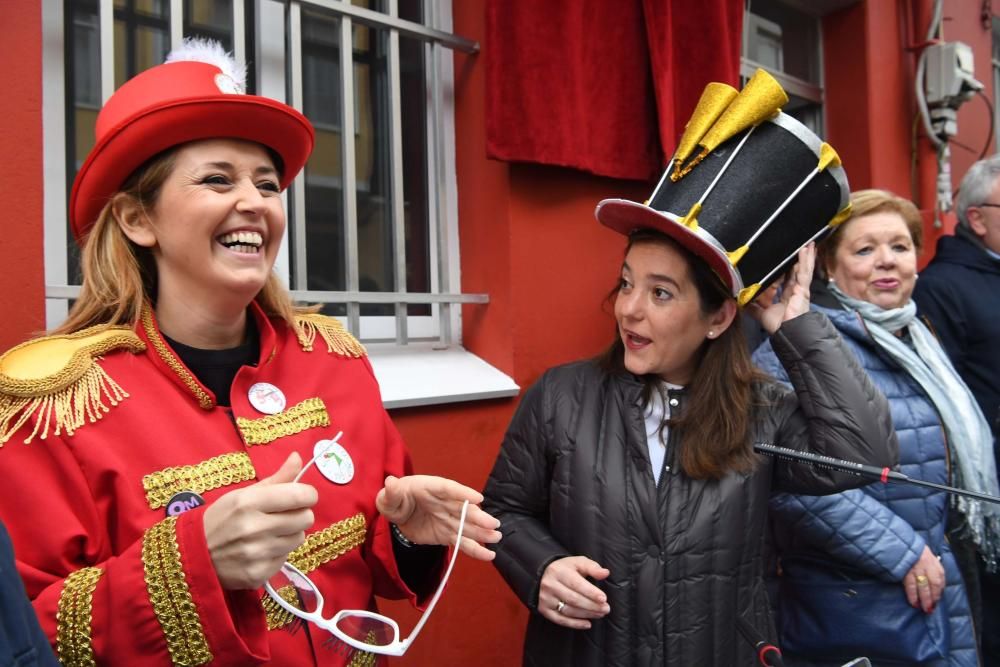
x,y
655,413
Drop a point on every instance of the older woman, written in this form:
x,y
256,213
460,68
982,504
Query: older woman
x,y
153,441
870,571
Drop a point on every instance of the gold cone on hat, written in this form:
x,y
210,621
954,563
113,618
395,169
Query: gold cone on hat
x,y
722,113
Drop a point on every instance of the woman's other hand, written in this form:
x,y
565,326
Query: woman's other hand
x,y
251,531
566,598
427,510
924,582
794,299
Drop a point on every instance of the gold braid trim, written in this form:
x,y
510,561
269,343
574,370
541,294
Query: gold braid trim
x,y
277,616
170,596
338,339
168,357
216,472
364,658
310,413
73,618
56,380
320,547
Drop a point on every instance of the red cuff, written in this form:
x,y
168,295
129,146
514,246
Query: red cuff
x,y
235,638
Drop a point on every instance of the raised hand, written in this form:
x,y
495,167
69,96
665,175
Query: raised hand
x,y
566,598
794,299
427,510
251,531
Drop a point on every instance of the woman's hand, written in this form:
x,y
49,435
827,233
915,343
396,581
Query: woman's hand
x,y
251,531
427,510
924,582
566,598
794,299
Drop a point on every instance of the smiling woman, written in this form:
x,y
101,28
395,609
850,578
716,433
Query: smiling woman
x,y
213,231
154,487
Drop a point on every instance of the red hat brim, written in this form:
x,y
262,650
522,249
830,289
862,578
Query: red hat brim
x,y
625,217
117,154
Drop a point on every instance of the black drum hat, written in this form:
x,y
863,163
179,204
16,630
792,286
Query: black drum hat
x,y
747,188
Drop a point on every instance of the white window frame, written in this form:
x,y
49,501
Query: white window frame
x,y
396,343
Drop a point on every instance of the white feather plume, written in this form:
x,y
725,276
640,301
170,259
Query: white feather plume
x,y
210,51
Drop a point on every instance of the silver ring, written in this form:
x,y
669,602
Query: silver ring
x,y
559,607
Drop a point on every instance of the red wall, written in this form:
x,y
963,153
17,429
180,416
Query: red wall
x,y
22,280
870,53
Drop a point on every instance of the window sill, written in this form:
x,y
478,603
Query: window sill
x,y
417,374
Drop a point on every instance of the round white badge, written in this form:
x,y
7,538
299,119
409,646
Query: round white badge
x,y
266,398
334,463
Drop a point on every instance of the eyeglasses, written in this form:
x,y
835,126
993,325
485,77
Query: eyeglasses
x,y
359,628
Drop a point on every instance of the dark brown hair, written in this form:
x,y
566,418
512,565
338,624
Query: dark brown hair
x,y
714,429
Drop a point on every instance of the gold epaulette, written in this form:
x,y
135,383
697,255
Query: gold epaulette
x,y
338,339
56,380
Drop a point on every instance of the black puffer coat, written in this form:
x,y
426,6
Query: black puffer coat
x,y
574,478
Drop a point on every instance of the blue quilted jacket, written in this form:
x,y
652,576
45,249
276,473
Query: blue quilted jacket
x,y
880,530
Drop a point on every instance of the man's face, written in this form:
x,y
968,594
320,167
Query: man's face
x,y
984,219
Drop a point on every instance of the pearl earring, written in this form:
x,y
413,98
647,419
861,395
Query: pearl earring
x,y
711,334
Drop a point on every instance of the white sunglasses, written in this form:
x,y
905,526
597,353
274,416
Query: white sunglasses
x,y
359,628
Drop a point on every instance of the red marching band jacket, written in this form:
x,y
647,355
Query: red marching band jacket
x,y
103,430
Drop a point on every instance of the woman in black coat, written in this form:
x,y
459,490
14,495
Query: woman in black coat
x,y
632,553
632,504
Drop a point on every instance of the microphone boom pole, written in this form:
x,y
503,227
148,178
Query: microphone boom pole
x,y
884,475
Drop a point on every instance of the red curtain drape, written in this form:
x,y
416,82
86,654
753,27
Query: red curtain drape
x,y
605,86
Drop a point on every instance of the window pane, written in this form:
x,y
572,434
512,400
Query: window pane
x,y
413,95
83,100
373,164
374,5
797,38
142,36
213,20
411,10
325,251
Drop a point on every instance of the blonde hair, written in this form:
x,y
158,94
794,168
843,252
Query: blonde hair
x,y
119,277
867,202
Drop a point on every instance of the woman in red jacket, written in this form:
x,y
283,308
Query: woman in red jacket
x,y
153,441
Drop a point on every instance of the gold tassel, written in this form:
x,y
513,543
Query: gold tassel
x,y
84,401
338,339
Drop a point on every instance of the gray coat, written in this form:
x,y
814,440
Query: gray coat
x,y
574,478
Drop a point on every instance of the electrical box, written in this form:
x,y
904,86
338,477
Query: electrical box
x,y
950,75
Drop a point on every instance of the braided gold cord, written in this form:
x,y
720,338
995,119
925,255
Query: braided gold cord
x,y
73,618
364,658
216,472
310,413
168,357
330,543
320,547
338,339
277,616
170,596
